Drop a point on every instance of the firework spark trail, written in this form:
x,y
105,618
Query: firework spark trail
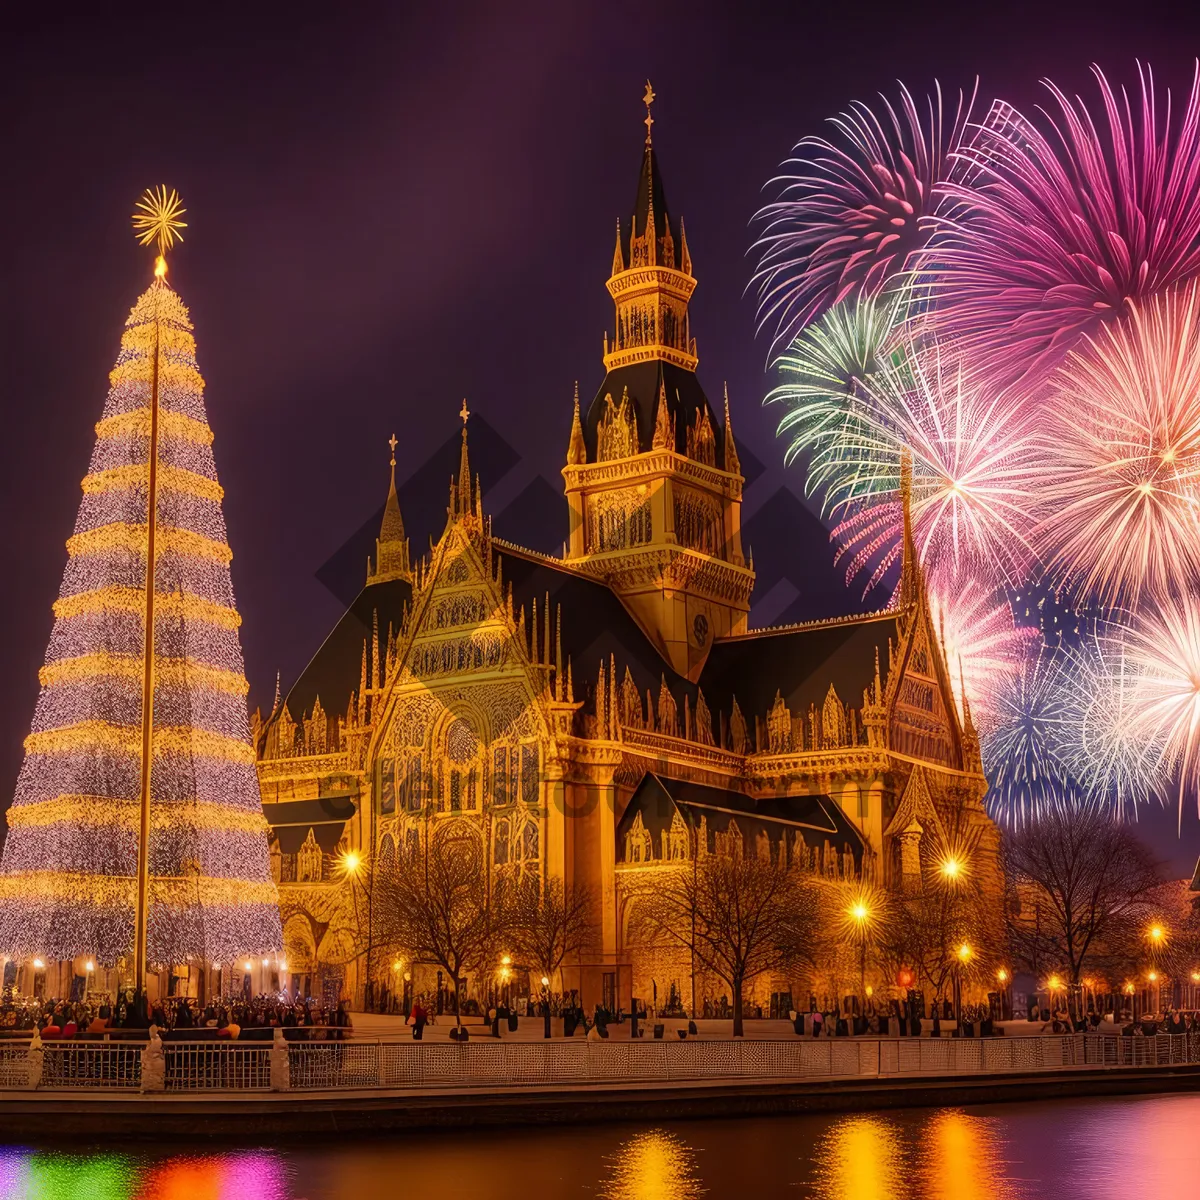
x,y
852,211
1122,457
823,375
1022,750
985,649
1118,765
1164,648
1052,228
975,473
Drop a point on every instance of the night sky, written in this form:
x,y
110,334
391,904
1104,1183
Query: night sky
x,y
393,207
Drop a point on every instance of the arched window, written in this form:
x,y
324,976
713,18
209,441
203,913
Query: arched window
x,y
500,838
412,843
530,841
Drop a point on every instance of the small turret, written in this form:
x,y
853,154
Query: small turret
x,y
391,547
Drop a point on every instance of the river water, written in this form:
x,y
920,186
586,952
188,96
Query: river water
x,y
1085,1149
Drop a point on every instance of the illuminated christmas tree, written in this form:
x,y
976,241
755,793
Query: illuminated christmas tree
x,y
96,823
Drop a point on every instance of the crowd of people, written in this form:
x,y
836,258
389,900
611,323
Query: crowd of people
x,y
229,1017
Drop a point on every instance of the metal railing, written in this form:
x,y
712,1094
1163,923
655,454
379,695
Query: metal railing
x,y
359,1064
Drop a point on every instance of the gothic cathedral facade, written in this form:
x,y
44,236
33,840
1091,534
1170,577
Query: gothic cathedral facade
x,y
596,716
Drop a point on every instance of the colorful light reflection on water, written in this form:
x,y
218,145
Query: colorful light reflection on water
x,y
134,1175
1068,1149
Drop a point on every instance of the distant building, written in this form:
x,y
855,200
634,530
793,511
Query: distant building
x,y
604,715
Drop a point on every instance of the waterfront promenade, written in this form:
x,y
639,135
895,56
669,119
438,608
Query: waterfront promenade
x,y
202,1089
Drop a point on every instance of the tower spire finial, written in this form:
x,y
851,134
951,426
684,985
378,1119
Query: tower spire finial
x,y
393,443
647,100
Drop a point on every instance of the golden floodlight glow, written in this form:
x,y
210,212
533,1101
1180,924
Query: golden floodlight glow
x,y
249,965
1002,975
1054,983
1129,989
964,952
1156,933
38,964
351,862
951,867
545,981
89,965
1152,976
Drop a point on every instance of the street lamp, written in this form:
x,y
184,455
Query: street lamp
x,y
546,1007
859,914
951,868
1002,980
963,954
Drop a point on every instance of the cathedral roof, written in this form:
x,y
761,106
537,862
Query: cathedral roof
x,y
650,190
817,819
800,661
645,381
335,669
291,820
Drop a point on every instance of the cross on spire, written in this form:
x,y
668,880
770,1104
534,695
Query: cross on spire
x,y
464,412
647,100
393,443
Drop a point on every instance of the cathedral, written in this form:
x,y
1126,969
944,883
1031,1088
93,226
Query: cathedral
x,y
599,716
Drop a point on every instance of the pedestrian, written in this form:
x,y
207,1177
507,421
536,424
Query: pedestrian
x,y
418,1018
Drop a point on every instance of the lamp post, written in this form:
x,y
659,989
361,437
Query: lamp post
x,y
859,913
1002,980
545,1006
407,993
963,957
351,866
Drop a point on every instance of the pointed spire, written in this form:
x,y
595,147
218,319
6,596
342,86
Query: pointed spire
x,y
570,684
618,263
460,489
375,649
558,663
910,569
685,258
732,463
577,450
664,432
391,547
546,641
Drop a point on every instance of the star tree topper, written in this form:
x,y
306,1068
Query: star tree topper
x,y
156,220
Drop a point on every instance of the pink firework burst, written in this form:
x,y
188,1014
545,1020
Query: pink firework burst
x,y
985,648
1164,648
975,472
1122,456
853,209
1055,226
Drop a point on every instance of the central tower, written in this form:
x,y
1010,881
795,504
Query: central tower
x,y
652,477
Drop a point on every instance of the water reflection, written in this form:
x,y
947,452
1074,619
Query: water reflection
x,y
63,1175
949,1155
653,1166
860,1158
962,1158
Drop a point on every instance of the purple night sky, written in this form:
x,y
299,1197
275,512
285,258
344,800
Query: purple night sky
x,y
394,206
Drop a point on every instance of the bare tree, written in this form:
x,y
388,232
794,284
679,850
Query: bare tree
x,y
437,906
1082,886
738,916
549,921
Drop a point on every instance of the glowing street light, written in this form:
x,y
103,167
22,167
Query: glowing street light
x,y
1152,976
351,862
38,965
859,912
1054,983
951,868
248,965
964,952
1002,976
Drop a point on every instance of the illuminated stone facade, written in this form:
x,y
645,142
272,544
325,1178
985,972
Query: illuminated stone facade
x,y
528,699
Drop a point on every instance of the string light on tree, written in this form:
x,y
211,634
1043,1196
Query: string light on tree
x,y
139,777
